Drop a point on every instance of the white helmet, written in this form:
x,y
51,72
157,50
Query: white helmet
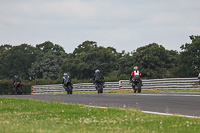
x,y
65,74
135,68
97,71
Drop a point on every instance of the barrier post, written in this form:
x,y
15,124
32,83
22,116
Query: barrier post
x,y
31,90
119,85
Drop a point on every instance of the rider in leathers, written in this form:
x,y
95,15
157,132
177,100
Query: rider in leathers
x,y
96,79
136,72
15,81
66,77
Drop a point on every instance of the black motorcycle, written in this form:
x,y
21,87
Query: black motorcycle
x,y
18,88
68,87
99,87
136,84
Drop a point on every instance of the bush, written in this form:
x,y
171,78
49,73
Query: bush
x,y
123,77
26,89
75,81
44,82
6,87
110,79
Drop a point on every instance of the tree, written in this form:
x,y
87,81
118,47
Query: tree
x,y
49,46
47,66
85,47
48,62
154,61
88,57
171,63
3,52
17,60
189,61
126,63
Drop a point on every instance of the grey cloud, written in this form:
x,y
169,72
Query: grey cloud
x,y
124,25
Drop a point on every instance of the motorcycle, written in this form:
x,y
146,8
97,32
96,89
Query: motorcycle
x,y
18,88
136,84
68,87
99,87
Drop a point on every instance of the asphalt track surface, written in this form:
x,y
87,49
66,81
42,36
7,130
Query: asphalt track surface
x,y
163,102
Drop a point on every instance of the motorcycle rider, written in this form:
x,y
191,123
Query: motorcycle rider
x,y
66,78
98,78
136,72
15,81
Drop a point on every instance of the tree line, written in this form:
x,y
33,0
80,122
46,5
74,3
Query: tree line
x,y
50,61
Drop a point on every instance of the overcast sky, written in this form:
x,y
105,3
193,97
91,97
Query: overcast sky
x,y
122,24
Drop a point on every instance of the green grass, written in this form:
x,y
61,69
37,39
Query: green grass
x,y
26,116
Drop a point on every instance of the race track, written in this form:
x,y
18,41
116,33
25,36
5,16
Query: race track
x,y
163,102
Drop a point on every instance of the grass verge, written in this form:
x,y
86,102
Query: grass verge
x,y
25,116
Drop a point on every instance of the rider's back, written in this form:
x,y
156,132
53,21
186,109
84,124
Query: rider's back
x,y
98,76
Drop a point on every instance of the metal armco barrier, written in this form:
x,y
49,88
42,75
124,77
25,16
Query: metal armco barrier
x,y
167,83
76,87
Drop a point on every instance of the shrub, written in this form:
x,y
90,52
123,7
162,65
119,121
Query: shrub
x,y
6,87
43,82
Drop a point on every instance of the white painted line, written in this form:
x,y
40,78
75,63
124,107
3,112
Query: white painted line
x,y
158,113
96,106
150,112
181,95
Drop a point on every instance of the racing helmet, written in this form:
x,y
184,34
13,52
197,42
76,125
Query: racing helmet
x,y
135,68
65,74
97,71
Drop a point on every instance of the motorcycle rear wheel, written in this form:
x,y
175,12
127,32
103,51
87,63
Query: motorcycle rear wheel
x,y
19,90
134,89
139,89
99,88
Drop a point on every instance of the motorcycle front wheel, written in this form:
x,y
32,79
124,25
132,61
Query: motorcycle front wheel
x,y
69,89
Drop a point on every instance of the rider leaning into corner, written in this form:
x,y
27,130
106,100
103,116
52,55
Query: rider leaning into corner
x,y
134,73
98,78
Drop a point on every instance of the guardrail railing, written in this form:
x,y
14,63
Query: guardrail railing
x,y
167,83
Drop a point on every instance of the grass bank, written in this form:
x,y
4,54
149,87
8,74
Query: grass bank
x,y
22,115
